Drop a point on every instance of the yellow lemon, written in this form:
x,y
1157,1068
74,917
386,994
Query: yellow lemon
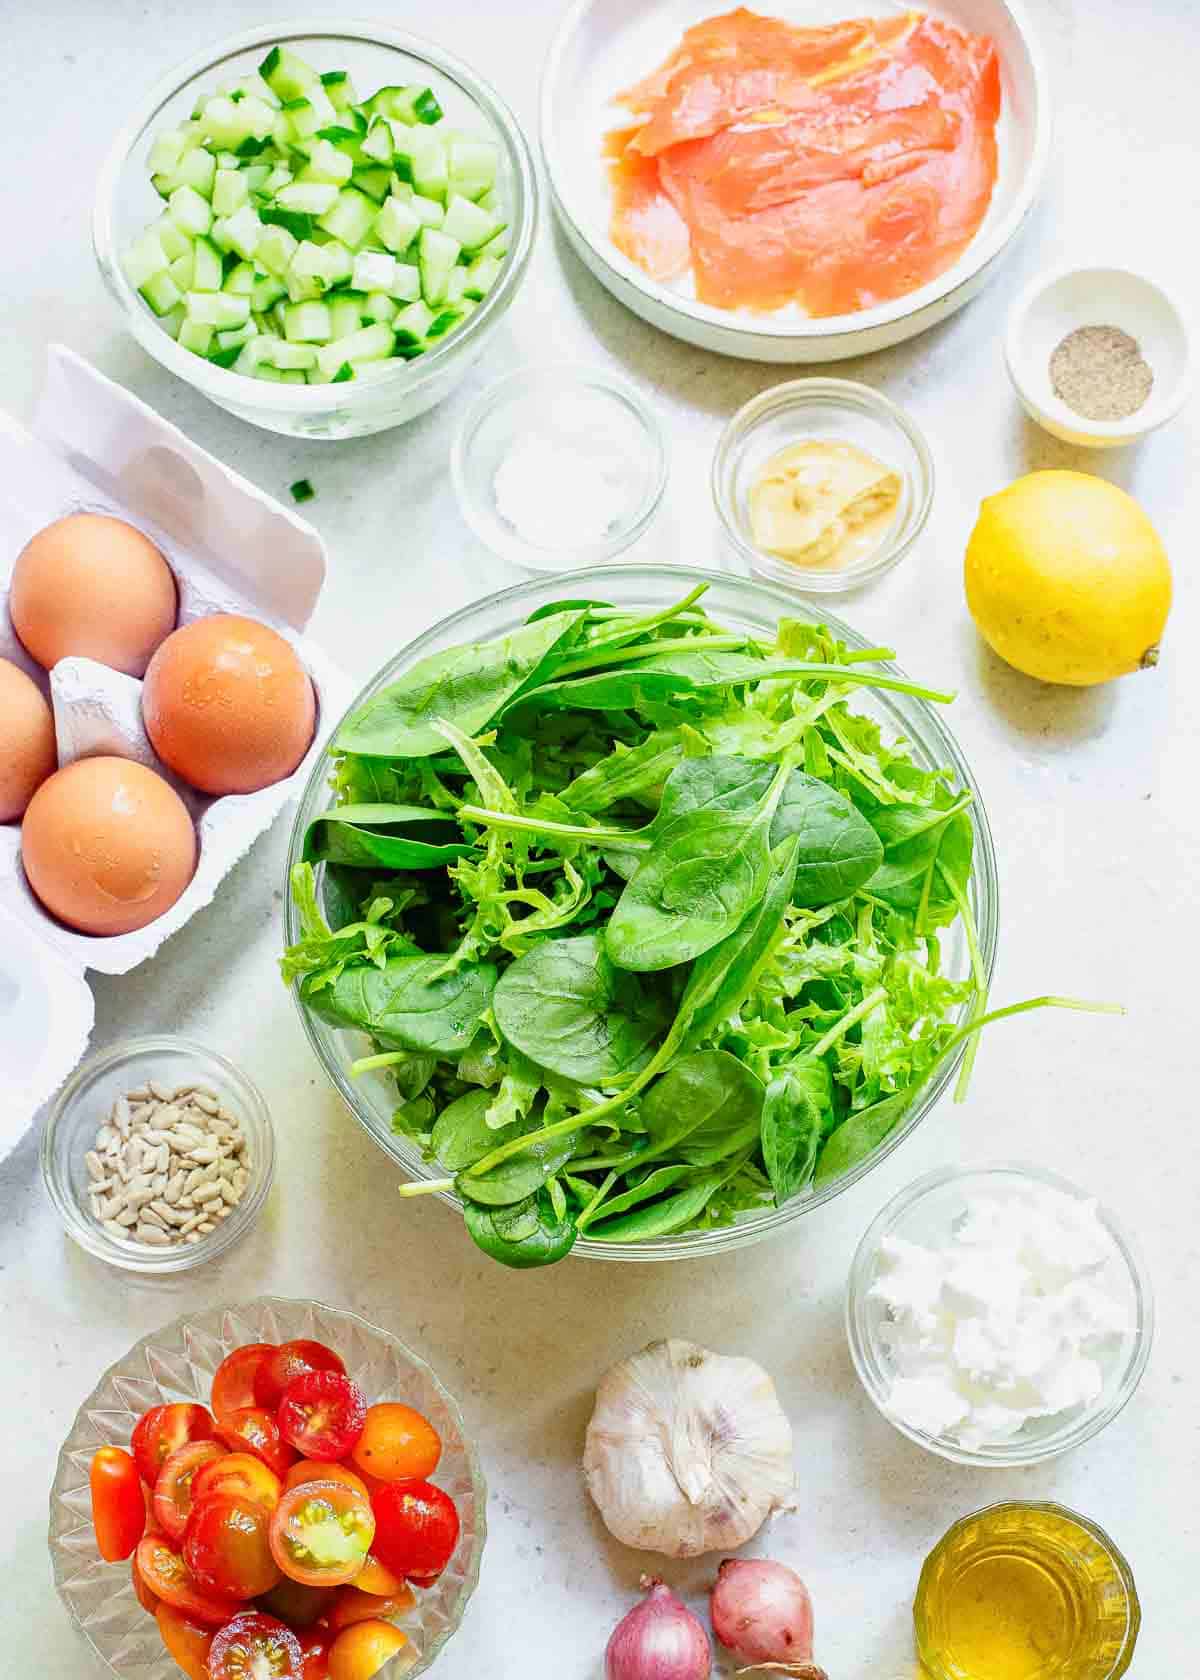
x,y
1067,579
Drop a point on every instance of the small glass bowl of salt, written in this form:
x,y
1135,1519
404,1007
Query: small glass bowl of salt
x,y
557,467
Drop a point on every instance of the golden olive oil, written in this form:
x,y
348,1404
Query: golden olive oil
x,y
1026,1592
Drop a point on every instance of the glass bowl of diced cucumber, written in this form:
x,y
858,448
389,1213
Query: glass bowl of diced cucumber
x,y
319,229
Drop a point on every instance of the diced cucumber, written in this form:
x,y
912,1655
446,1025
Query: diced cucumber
x,y
267,291
339,89
307,323
253,87
207,269
239,282
338,262
368,344
287,76
345,314
397,225
412,323
406,282
456,286
183,270
373,182
167,150
197,168
283,354
145,258
378,143
253,355
307,115
218,309
256,176
380,307
171,237
470,225
411,105
196,337
442,322
310,198
437,254
228,124
327,163
275,251
173,320
237,336
275,179
431,170
374,271
306,276
161,293
350,218
481,276
230,192
190,212
243,231
472,167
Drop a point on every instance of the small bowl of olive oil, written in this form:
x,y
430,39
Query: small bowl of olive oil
x,y
1022,1592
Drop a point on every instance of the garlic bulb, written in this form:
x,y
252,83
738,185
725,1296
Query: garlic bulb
x,y
687,1451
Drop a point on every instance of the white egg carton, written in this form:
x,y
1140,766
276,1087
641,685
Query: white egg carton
x,y
94,447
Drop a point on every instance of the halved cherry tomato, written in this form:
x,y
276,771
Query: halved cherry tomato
x,y
315,1646
187,1641
353,1605
168,1576
417,1529
142,1593
227,1546
175,1488
254,1647
397,1444
297,1605
321,1414
361,1651
321,1533
239,1473
118,1504
163,1430
322,1470
253,1430
233,1379
378,1580
287,1362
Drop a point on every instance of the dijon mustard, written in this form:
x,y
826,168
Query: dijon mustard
x,y
823,504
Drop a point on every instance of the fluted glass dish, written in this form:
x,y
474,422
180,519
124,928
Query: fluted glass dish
x,y
177,1363
745,604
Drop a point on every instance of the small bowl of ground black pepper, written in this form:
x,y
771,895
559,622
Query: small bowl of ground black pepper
x,y
1098,356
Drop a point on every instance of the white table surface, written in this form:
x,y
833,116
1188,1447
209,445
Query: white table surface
x,y
1092,796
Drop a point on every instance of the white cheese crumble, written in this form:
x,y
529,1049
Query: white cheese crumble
x,y
1009,1320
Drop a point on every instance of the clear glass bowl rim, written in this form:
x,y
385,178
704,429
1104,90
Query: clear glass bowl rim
x,y
158,1262
210,1320
798,395
595,378
222,384
779,602
867,1365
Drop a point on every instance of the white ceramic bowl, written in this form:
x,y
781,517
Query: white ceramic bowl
x,y
1055,305
605,45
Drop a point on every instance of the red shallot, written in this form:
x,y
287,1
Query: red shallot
x,y
659,1639
761,1612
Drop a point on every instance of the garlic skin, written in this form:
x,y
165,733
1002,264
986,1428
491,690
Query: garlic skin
x,y
687,1451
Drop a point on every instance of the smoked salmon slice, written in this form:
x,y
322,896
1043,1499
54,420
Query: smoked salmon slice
x,y
835,168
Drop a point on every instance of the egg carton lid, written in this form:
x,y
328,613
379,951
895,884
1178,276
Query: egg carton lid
x,y
94,445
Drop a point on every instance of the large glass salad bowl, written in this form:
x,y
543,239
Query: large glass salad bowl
x,y
745,606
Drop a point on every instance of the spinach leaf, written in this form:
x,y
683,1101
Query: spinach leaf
x,y
654,1184
661,1218
718,1098
723,977
461,1135
410,1003
797,1102
860,1135
550,608
520,1176
912,836
568,1008
383,837
528,1235
466,686
837,849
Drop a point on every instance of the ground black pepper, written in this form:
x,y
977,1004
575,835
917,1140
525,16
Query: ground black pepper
x,y
1100,373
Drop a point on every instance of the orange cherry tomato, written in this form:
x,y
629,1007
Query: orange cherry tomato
x,y
233,1380
397,1444
287,1362
353,1605
168,1576
314,1648
254,1647
187,1641
360,1651
118,1504
375,1577
163,1430
253,1430
296,1605
175,1487
321,1533
321,1470
227,1547
148,1600
239,1473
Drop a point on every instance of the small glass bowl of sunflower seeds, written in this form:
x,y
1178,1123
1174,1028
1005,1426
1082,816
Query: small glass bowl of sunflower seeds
x,y
158,1154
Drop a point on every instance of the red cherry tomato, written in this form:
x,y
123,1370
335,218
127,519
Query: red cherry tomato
x,y
323,1470
287,1362
321,1533
397,1444
239,1473
233,1380
252,1430
417,1530
254,1647
353,1605
360,1651
227,1547
187,1641
118,1504
175,1487
298,1606
168,1576
315,1645
375,1579
163,1430
142,1593
321,1414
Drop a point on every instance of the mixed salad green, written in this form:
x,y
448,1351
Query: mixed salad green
x,y
642,917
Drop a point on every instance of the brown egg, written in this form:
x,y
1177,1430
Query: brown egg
x,y
107,845
28,753
94,587
227,705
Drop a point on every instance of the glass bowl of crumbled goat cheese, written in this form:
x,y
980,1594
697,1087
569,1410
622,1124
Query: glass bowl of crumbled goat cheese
x,y
998,1316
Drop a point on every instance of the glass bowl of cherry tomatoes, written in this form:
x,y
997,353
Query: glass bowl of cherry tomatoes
x,y
275,1489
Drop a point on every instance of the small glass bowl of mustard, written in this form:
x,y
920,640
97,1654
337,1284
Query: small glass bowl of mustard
x,y
822,484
